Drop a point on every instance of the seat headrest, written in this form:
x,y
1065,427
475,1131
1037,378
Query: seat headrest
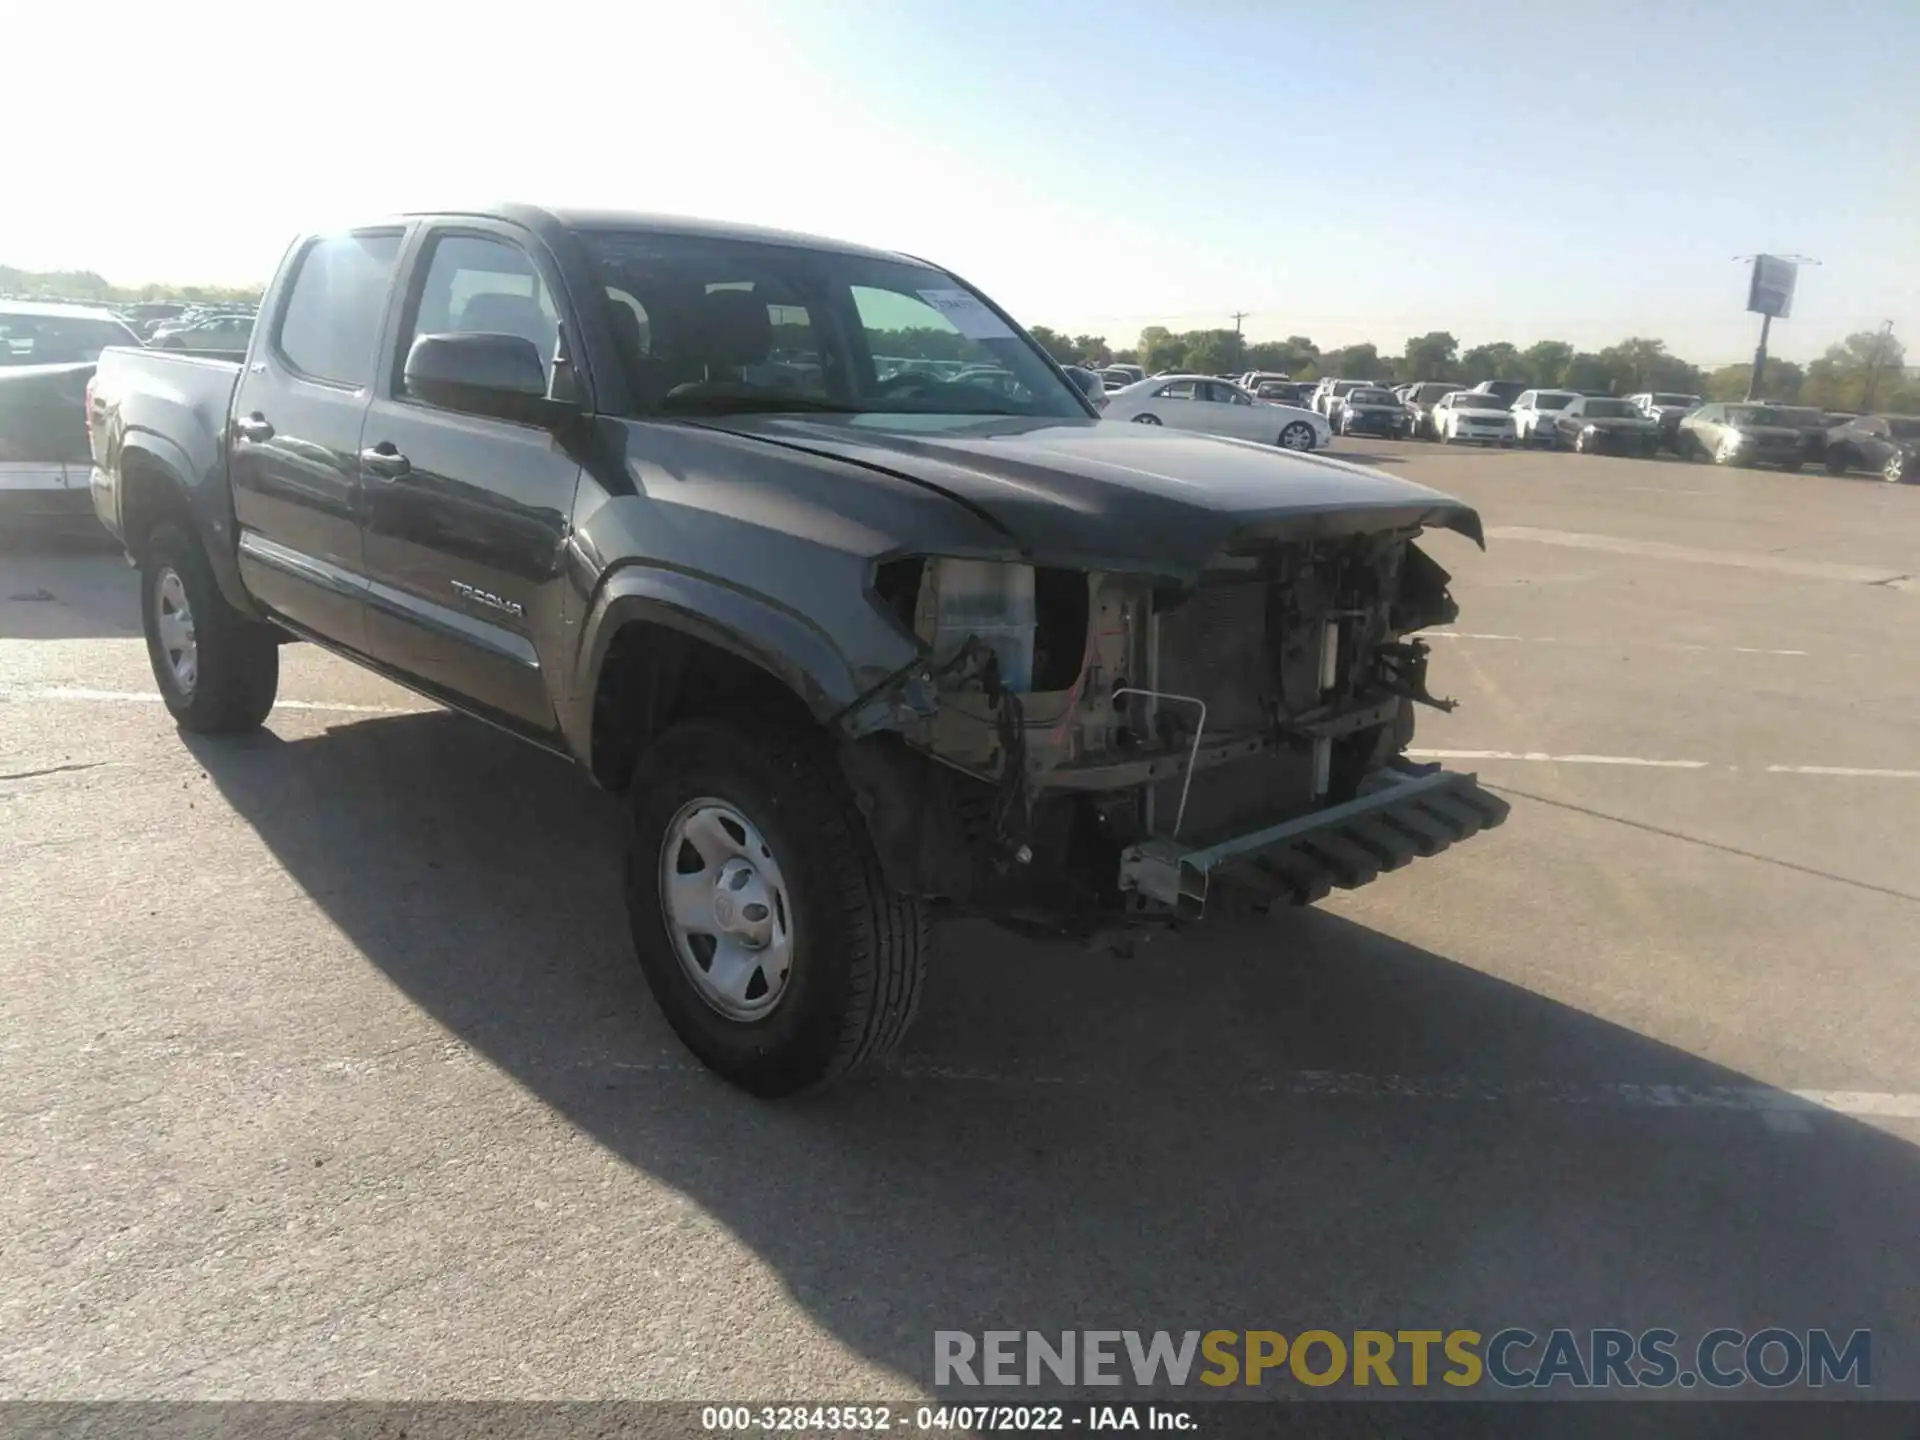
x,y
732,328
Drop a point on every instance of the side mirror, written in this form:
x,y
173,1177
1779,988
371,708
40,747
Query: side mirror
x,y
482,374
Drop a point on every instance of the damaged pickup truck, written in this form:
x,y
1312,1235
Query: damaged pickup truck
x,y
815,556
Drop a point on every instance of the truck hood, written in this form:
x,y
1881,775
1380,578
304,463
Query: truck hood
x,y
1106,494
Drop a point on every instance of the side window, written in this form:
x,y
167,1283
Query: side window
x,y
1234,397
477,284
1178,390
331,320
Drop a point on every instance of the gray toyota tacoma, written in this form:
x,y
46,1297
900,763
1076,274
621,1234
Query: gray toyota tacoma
x,y
814,555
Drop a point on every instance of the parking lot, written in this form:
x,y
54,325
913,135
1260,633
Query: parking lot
x,y
327,1072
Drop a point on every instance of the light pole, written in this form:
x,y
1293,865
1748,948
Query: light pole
x,y
1873,367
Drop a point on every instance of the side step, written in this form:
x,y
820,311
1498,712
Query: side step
x,y
1400,816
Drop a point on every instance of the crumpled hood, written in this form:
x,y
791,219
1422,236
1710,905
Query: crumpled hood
x,y
1111,494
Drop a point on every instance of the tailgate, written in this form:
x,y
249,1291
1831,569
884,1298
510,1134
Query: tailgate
x,y
43,415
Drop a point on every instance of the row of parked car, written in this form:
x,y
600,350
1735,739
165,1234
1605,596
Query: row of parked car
x,y
1304,416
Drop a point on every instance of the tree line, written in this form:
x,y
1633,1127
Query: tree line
x,y
1839,380
85,285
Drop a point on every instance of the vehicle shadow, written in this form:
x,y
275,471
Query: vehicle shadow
x,y
1306,1124
64,588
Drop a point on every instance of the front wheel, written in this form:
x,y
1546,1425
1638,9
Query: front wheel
x,y
1146,419
759,912
217,670
1898,470
1297,436
1581,444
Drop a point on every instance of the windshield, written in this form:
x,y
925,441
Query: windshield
x,y
1685,402
1780,415
1475,400
1372,397
1553,400
1611,410
57,339
1904,429
709,325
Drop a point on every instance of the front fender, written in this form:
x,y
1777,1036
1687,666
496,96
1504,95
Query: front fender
x,y
784,643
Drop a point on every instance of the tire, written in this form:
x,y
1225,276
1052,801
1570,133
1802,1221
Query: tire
x,y
1839,460
1897,471
1146,419
1440,434
856,951
1297,436
1688,448
1580,446
218,671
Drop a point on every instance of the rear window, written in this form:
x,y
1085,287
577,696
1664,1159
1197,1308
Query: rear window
x,y
1553,400
1690,402
1904,429
333,313
1372,397
1478,400
1611,410
57,339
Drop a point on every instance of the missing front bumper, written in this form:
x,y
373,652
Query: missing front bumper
x,y
1400,815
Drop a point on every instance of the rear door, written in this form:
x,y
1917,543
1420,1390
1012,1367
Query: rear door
x,y
466,516
295,442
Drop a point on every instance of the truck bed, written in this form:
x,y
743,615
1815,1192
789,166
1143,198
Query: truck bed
x,y
183,396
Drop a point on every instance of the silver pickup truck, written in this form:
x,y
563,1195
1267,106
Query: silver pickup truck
x,y
861,643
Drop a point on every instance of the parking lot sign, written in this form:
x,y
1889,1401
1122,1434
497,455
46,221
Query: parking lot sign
x,y
1770,292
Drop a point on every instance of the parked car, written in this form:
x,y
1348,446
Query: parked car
x,y
1334,395
1507,390
1745,433
1590,424
1666,409
1420,398
1368,410
1471,415
819,716
1285,392
1254,379
1218,407
144,316
215,332
47,356
1534,412
1129,374
1889,444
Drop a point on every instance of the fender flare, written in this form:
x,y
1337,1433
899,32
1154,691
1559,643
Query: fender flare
x,y
786,645
208,506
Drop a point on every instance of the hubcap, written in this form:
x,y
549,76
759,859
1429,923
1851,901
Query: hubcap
x,y
726,908
1896,470
1146,419
174,623
1297,437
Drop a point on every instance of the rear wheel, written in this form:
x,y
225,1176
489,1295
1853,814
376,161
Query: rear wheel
x,y
1839,459
217,670
1899,470
1146,419
759,913
1297,436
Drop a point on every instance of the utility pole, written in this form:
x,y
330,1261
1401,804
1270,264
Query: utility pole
x,y
1239,347
1873,367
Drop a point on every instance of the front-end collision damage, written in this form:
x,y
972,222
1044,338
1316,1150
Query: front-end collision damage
x,y
1025,768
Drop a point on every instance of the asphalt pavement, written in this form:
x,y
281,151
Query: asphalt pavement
x,y
326,1071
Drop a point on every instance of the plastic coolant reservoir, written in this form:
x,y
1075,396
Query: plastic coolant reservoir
x,y
992,601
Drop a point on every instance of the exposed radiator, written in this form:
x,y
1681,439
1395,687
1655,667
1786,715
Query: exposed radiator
x,y
1215,647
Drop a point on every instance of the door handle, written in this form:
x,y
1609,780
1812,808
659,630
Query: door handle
x,y
384,460
254,427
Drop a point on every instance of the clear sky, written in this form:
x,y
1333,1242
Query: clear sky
x,y
1521,171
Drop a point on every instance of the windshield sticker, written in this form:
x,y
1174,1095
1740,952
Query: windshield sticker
x,y
967,315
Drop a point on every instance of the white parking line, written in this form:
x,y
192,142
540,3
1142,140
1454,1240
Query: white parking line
x,y
1693,555
1537,755
1763,1100
1616,644
80,694
1854,770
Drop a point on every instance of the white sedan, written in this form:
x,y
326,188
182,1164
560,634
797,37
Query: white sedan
x,y
1217,407
1534,413
1469,415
